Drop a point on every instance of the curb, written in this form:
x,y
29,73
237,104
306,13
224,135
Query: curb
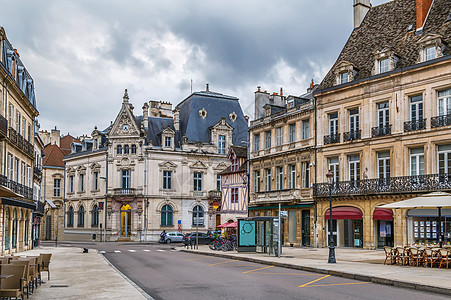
x,y
140,290
360,277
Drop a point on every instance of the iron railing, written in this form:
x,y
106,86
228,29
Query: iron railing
x,y
214,194
440,121
352,135
414,125
331,139
381,130
16,187
393,185
20,141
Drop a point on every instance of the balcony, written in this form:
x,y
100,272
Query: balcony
x,y
381,130
214,194
37,171
352,135
414,125
16,187
440,121
393,185
124,192
20,142
3,127
332,139
40,207
282,196
198,194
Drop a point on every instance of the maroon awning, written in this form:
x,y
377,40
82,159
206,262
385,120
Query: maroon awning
x,y
382,214
344,212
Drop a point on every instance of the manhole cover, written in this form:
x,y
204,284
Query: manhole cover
x,y
58,285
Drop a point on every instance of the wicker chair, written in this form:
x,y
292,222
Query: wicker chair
x,y
390,253
402,256
444,257
416,256
12,287
27,275
430,257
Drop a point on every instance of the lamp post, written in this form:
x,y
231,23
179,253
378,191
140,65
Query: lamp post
x,y
330,179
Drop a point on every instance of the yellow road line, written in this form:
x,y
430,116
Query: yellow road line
x,y
259,269
304,285
288,274
224,262
340,283
198,258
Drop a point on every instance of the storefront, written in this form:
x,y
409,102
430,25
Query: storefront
x,y
347,226
423,226
383,221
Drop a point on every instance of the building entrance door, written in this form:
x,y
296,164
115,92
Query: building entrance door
x,y
306,228
126,220
48,228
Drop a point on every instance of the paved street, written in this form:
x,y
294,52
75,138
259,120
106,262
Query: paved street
x,y
164,273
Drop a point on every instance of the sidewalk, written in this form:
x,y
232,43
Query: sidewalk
x,y
365,265
87,276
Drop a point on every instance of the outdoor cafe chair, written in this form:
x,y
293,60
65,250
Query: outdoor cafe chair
x,y
416,256
38,269
46,263
33,267
27,276
430,257
12,285
444,257
402,256
390,253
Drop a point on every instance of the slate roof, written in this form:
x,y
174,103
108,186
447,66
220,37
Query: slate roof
x,y
217,106
386,26
53,156
156,127
240,151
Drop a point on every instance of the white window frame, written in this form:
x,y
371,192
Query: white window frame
x,y
305,129
292,176
126,179
384,65
445,152
167,141
292,132
383,114
354,120
268,179
167,180
221,144
279,136
429,54
333,123
257,142
197,181
334,167
267,139
56,187
344,77
82,182
257,181
444,102
305,168
96,181
416,159
383,165
416,108
354,167
279,178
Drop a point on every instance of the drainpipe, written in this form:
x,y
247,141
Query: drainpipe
x,y
145,195
315,229
106,192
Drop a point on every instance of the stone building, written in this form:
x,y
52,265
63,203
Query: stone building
x,y
384,116
160,167
17,122
53,182
282,154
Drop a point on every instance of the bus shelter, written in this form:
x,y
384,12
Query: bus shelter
x,y
258,234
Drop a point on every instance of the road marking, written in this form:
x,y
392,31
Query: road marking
x,y
102,252
146,250
197,258
269,273
304,285
339,284
161,250
224,262
117,251
259,269
132,250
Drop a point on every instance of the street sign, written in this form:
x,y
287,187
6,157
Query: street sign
x,y
284,214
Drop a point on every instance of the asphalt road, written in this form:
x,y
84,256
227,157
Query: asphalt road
x,y
167,274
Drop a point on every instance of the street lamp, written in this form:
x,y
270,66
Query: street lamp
x,y
197,223
330,179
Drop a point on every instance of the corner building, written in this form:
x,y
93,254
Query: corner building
x,y
384,116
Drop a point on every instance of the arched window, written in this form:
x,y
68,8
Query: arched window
x,y
7,228
81,216
166,215
14,237
126,149
70,217
198,216
119,149
133,149
95,216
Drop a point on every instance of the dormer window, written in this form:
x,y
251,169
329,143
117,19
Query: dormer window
x,y
221,144
383,65
291,104
167,141
344,77
95,143
430,53
267,112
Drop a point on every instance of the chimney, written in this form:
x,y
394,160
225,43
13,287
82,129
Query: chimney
x,y
55,137
423,7
146,115
281,92
361,7
207,88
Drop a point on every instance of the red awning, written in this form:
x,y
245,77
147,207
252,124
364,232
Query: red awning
x,y
344,212
381,214
228,225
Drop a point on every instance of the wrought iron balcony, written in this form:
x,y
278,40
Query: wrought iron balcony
x,y
440,121
214,194
414,125
381,130
393,185
16,187
3,127
331,139
352,135
20,142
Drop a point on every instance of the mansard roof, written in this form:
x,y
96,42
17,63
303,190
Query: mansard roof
x,y
391,25
156,126
196,127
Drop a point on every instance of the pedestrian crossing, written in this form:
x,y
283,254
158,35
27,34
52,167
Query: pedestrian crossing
x,y
133,251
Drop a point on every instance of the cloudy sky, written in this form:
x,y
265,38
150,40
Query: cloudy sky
x,y
82,54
